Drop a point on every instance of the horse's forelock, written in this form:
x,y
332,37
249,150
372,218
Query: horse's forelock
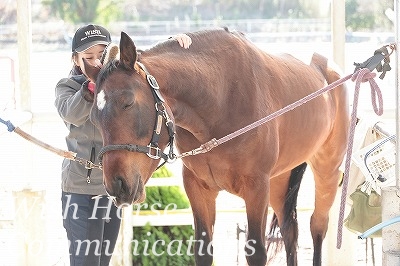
x,y
106,70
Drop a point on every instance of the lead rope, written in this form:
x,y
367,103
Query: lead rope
x,y
66,154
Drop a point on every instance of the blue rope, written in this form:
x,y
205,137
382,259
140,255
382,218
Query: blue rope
x,y
379,227
9,125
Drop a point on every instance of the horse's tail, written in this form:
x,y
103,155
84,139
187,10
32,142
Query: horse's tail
x,y
330,71
289,226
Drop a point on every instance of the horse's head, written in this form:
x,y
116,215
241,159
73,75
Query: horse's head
x,y
130,114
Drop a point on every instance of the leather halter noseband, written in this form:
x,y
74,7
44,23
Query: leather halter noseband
x,y
152,149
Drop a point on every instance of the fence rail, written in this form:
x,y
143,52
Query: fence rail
x,y
245,25
150,32
59,32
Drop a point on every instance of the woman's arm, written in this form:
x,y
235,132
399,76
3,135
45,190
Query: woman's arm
x,y
70,102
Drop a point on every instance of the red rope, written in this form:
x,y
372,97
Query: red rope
x,y
283,110
362,75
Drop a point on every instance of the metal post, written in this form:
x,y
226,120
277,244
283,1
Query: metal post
x,y
397,81
391,195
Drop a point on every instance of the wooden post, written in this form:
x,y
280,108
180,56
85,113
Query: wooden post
x,y
346,254
338,29
29,220
24,20
30,227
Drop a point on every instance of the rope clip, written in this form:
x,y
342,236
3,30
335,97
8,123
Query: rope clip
x,y
375,60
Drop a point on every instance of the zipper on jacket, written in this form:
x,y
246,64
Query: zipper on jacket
x,y
89,171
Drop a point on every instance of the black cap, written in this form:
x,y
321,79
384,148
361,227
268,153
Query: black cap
x,y
88,36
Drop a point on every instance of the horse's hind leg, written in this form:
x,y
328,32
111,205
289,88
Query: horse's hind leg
x,y
202,200
326,186
325,166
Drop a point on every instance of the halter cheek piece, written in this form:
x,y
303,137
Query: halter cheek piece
x,y
152,149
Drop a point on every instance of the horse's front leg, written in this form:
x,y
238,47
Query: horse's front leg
x,y
202,200
256,200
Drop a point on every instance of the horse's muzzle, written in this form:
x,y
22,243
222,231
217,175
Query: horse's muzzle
x,y
123,193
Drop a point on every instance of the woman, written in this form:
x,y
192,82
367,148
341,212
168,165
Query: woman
x,y
89,217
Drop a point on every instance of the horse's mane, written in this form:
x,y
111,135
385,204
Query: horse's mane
x,y
200,39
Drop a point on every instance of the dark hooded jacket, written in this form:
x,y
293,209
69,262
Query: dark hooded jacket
x,y
83,138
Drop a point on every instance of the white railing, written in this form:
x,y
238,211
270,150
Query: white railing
x,y
151,32
58,31
245,25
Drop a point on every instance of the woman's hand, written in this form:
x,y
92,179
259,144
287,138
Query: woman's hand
x,y
184,40
87,90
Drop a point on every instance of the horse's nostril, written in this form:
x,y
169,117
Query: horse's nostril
x,y
118,185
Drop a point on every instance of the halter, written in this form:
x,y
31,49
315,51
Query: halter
x,y
152,149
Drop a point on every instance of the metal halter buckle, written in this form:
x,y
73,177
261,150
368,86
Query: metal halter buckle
x,y
154,152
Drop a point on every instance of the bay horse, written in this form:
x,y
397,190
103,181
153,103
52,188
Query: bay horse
x,y
147,99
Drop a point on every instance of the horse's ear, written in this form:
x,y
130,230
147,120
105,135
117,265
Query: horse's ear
x,y
128,53
91,71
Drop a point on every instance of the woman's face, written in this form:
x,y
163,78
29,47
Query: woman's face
x,y
90,55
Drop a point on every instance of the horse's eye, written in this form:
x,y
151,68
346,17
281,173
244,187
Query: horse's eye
x,y
127,106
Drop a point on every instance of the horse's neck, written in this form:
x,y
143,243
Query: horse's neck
x,y
180,92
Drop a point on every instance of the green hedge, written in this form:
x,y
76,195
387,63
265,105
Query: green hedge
x,y
163,245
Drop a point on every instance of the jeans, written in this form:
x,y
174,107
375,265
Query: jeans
x,y
92,224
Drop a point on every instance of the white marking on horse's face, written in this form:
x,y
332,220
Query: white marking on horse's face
x,y
101,101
